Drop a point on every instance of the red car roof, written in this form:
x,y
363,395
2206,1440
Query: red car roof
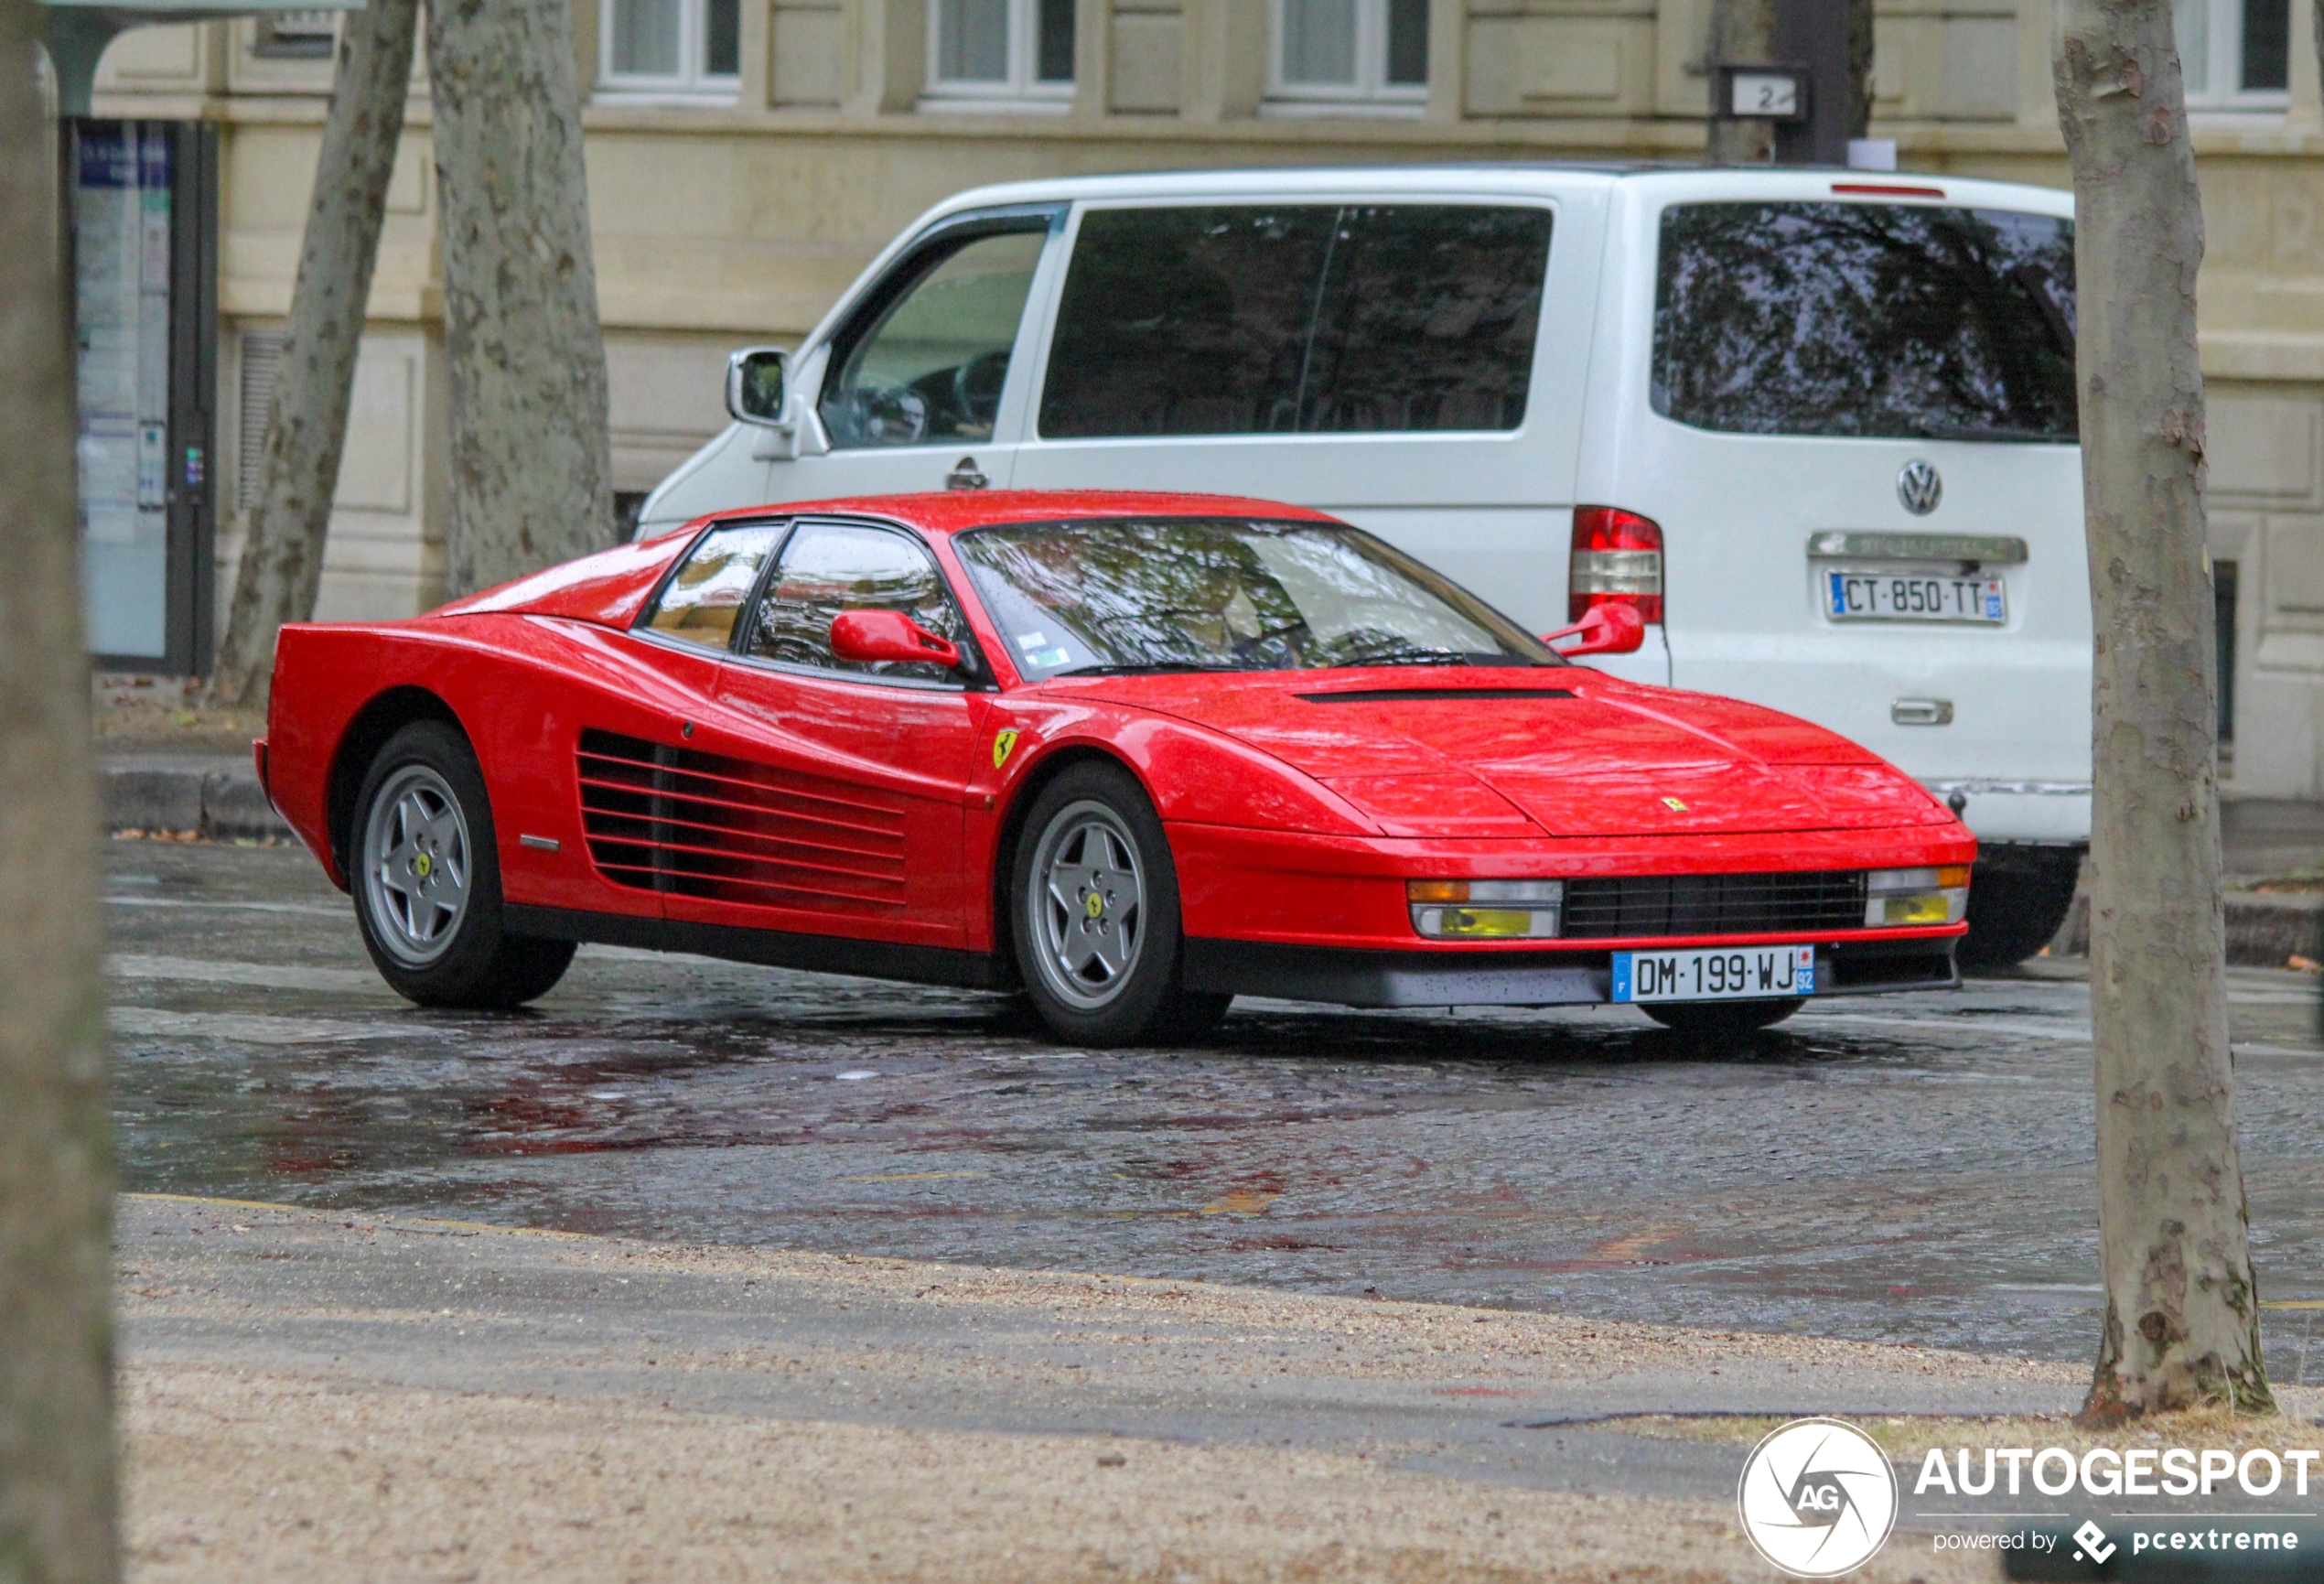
x,y
957,511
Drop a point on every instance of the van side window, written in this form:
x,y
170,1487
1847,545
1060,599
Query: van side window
x,y
1901,321
1296,320
927,366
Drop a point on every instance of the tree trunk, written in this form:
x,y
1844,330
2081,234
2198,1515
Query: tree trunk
x,y
57,1515
532,476
1742,34
2182,1317
1859,117
282,565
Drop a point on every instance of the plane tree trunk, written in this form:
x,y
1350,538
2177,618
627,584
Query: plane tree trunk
x,y
281,563
1742,34
57,1493
2181,1322
531,473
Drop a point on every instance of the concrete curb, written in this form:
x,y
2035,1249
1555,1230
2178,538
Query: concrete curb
x,y
2263,931
213,797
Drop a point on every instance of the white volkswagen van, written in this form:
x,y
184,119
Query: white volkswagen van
x,y
1818,425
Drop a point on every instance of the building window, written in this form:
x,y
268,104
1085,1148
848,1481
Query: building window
x,y
1015,53
690,48
2236,54
297,36
1343,52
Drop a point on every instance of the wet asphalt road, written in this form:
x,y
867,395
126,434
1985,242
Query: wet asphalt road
x,y
1906,1169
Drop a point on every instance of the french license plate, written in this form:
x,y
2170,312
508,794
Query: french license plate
x,y
1912,597
1715,974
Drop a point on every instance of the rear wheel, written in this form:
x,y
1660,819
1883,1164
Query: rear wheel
x,y
2018,899
1093,908
427,881
1720,1019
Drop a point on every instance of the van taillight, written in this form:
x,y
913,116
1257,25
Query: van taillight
x,y
1618,560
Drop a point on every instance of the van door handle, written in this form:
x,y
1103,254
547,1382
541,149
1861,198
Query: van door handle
x,y
965,476
1921,712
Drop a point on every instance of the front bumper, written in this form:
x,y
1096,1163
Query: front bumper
x,y
1352,977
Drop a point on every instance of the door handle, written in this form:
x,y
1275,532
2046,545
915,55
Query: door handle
x,y
1921,712
965,476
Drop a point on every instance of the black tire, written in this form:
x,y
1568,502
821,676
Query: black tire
x,y
2018,899
1122,916
1710,1020
425,876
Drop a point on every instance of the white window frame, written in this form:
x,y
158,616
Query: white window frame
x,y
1369,95
691,84
2224,62
1021,90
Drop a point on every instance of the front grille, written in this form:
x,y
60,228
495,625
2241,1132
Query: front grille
x,y
706,824
1640,905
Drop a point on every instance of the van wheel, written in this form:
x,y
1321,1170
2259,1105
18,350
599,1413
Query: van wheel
x,y
427,878
1720,1019
2018,899
1093,906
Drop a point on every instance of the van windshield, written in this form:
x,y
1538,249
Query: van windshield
x,y
1225,594
1877,321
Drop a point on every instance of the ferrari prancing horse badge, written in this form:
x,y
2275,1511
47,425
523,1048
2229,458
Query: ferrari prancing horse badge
x,y
1003,745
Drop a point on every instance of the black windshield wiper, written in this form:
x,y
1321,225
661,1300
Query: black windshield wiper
x,y
1991,432
1411,657
1149,667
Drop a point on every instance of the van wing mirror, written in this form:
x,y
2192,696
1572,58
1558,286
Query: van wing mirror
x,y
888,635
1603,630
758,386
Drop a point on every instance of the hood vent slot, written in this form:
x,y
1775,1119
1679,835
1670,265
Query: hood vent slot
x,y
1646,905
702,824
1407,695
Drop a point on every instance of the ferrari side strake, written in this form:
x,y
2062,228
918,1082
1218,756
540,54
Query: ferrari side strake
x,y
1131,754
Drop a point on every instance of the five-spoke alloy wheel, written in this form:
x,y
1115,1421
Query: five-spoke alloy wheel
x,y
1094,910
427,878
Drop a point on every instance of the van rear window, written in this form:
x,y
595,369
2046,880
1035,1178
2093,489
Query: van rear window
x,y
1888,320
1297,318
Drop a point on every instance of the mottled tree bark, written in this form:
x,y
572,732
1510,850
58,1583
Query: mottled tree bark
x,y
282,565
1859,68
532,476
2182,1317
1742,34
56,1513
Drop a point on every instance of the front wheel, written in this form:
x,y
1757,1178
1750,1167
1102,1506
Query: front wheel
x,y
1720,1019
427,881
1093,909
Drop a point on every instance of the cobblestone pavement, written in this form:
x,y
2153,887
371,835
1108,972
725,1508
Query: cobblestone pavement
x,y
1907,1168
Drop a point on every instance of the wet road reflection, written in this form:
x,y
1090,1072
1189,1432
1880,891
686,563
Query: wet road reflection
x,y
1906,1169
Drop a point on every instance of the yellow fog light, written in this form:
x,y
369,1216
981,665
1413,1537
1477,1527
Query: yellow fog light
x,y
1900,898
1450,910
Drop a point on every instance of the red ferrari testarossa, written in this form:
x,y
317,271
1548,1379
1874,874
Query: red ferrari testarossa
x,y
1133,754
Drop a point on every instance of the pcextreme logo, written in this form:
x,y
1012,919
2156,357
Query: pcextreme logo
x,y
1817,1498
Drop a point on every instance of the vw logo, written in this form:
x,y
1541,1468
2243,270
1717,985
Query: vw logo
x,y
1918,487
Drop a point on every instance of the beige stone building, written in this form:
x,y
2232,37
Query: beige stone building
x,y
746,157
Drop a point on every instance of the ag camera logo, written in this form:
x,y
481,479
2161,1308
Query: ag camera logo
x,y
1817,1498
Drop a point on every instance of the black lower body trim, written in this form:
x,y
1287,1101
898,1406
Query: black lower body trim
x,y
1353,977
770,948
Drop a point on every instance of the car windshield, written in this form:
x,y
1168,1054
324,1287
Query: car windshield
x,y
1225,594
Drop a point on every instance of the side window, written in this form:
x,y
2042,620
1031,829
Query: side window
x,y
829,568
1296,320
1185,321
930,365
1428,320
700,604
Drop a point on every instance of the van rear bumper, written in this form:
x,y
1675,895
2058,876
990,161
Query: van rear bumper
x,y
2050,813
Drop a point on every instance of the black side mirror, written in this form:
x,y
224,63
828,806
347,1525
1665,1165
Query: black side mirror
x,y
758,384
